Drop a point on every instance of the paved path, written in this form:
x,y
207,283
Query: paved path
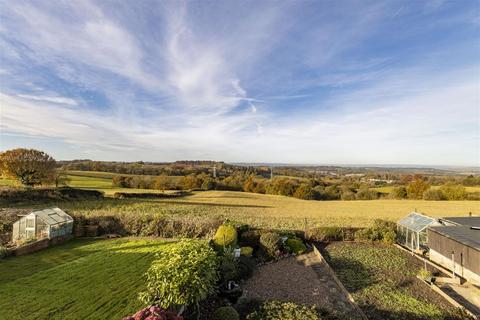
x,y
303,279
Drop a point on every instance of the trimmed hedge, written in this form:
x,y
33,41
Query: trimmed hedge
x,y
270,243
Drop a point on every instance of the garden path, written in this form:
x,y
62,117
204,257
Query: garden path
x,y
303,279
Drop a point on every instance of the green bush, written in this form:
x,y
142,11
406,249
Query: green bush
x,y
425,274
327,234
245,267
382,231
225,236
246,251
228,266
250,239
433,194
225,313
276,310
3,252
270,243
295,246
182,274
454,191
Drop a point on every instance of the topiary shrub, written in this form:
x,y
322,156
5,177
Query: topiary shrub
x,y
225,236
250,239
182,274
296,246
225,313
276,310
246,251
270,244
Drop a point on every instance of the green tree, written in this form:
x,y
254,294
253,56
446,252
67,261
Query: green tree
x,y
433,194
29,166
305,192
399,193
453,191
416,188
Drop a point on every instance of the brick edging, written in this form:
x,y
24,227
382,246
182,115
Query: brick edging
x,y
340,284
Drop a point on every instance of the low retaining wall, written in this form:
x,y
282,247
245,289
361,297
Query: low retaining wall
x,y
340,284
39,245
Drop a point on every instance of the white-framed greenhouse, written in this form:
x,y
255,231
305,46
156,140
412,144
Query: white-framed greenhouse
x,y
412,230
48,223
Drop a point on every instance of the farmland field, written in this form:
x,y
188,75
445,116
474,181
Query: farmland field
x,y
270,210
82,279
382,280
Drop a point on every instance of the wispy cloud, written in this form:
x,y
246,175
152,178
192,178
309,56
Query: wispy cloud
x,y
241,81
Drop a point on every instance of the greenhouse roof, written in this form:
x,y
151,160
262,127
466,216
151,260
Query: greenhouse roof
x,y
416,221
53,216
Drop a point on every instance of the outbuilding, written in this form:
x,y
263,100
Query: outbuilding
x,y
456,248
48,223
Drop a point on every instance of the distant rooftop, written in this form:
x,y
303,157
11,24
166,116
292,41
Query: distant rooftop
x,y
472,221
466,235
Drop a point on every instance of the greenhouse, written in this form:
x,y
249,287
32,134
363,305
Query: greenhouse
x,y
48,223
412,230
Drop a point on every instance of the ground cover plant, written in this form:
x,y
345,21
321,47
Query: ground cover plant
x,y
382,280
82,279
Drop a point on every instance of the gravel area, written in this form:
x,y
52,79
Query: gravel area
x,y
302,280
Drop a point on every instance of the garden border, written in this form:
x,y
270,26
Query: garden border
x,y
339,283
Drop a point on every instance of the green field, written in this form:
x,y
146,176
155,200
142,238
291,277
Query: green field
x,y
82,279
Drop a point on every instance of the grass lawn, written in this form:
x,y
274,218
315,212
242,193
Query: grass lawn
x,y
82,279
382,280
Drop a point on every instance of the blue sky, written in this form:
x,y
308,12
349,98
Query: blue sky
x,y
344,82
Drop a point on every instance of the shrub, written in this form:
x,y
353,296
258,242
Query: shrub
x,y
399,193
382,230
276,310
245,268
250,239
473,196
225,236
228,266
366,194
328,234
246,251
225,313
182,274
270,243
454,191
295,246
424,274
154,313
433,194
3,252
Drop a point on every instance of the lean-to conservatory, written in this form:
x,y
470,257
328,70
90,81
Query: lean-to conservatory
x,y
48,223
412,230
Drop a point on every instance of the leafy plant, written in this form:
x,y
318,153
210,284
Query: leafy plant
x,y
295,246
3,252
183,274
225,236
250,238
424,274
245,267
154,313
225,313
246,251
270,243
276,310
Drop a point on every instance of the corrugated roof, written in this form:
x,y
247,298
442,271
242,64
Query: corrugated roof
x,y
53,216
472,221
466,235
416,221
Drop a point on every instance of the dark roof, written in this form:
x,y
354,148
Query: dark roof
x,y
464,221
465,235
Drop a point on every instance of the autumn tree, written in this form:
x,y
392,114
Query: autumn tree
x,y
417,187
29,166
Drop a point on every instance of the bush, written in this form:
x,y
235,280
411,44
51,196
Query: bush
x,y
154,313
3,252
270,243
250,239
228,266
276,310
330,234
246,251
225,313
399,193
424,274
433,194
473,196
225,236
382,231
295,246
182,274
245,267
366,194
454,191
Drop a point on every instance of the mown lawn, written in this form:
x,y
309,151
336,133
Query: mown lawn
x,y
382,280
82,279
